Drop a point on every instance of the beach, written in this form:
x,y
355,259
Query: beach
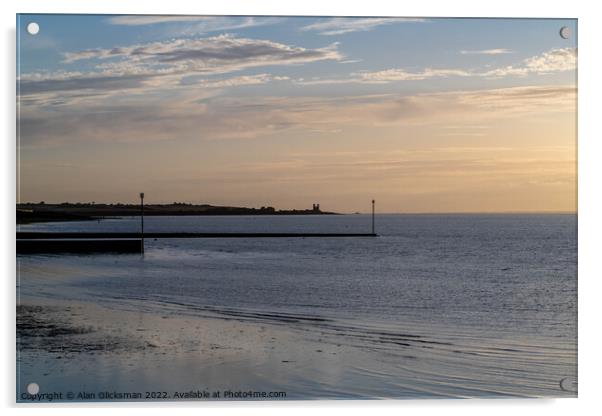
x,y
98,354
91,351
128,351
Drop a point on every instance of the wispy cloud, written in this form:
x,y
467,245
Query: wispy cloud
x,y
339,25
522,100
161,65
386,76
164,64
194,24
192,114
257,79
554,60
218,53
402,75
138,20
498,51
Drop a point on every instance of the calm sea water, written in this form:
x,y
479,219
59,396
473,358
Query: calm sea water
x,y
495,294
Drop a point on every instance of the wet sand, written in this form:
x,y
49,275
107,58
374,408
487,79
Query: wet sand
x,y
98,353
81,347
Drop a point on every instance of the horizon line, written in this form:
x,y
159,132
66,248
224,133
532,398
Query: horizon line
x,y
508,212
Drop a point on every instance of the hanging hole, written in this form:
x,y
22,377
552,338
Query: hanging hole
x,y
33,28
565,32
33,388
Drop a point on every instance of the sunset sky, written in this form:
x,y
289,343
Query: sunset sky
x,y
423,115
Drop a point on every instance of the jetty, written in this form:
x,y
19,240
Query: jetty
x,y
88,235
125,245
86,242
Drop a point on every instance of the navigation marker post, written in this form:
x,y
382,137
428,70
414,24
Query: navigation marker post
x,y
142,222
373,232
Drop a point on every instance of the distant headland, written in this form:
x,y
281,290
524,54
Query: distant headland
x,y
77,211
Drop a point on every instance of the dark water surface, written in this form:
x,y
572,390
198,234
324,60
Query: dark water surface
x,y
493,297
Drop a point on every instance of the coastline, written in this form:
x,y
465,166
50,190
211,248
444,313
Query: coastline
x,y
28,213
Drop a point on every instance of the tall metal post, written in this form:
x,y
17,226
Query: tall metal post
x,y
373,232
142,222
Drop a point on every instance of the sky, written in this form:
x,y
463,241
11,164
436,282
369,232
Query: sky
x,y
421,114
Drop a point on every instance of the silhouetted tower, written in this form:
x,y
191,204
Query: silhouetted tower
x,y
142,222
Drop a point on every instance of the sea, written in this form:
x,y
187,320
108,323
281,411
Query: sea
x,y
481,305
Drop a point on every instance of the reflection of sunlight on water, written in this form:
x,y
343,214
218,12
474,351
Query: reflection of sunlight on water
x,y
46,268
182,250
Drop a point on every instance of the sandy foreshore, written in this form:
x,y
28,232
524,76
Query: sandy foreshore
x,y
91,349
90,352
